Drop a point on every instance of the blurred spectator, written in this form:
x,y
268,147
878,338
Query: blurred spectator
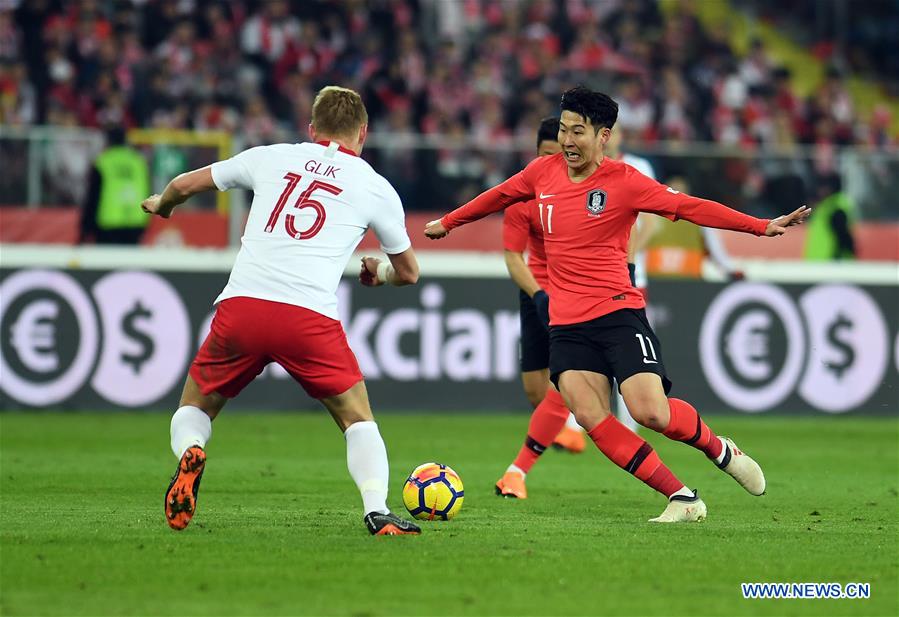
x,y
10,38
755,69
829,234
118,182
781,171
679,249
66,162
635,113
18,99
258,124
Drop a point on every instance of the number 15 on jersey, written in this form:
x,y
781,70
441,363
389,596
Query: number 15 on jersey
x,y
303,201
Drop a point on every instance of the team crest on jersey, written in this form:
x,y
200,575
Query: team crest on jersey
x,y
596,202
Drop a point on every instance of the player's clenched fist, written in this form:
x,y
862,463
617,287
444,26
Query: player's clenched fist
x,y
368,275
151,206
435,230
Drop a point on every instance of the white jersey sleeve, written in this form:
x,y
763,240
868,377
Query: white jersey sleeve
x,y
641,277
389,223
715,248
640,164
237,172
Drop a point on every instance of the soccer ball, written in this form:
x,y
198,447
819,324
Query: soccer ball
x,y
433,491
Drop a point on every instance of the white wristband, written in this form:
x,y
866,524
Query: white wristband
x,y
384,269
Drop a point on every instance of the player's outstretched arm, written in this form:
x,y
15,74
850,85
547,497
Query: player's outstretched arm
x,y
402,270
179,190
515,189
778,226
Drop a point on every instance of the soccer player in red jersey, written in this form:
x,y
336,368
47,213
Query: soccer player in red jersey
x,y
587,205
312,204
522,232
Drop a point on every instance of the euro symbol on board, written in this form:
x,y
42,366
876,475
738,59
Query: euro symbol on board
x,y
33,336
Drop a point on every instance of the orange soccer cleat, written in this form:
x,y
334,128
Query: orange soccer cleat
x,y
511,485
181,496
570,439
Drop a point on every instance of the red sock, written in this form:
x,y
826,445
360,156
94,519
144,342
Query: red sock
x,y
547,420
631,452
685,425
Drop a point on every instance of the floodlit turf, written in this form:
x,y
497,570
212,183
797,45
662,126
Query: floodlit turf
x,y
279,528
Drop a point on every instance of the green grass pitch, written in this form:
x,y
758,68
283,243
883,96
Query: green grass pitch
x,y
279,525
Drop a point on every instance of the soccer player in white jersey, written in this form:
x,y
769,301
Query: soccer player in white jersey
x,y
312,204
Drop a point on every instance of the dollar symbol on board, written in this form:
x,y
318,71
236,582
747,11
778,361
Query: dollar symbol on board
x,y
847,354
136,360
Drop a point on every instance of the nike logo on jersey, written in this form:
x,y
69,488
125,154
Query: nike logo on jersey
x,y
542,196
671,190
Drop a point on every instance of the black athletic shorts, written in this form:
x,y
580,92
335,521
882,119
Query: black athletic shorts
x,y
617,345
534,344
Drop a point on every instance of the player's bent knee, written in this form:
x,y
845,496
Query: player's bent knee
x,y
588,418
649,414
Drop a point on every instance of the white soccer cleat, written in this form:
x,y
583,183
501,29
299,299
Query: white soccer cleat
x,y
742,468
682,509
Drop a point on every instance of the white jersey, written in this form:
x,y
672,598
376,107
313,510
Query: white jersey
x,y
312,204
645,168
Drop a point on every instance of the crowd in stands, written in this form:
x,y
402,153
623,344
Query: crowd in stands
x,y
859,36
483,68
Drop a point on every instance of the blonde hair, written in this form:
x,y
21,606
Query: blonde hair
x,y
338,112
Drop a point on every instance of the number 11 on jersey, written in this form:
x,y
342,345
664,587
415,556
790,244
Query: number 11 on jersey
x,y
304,201
548,225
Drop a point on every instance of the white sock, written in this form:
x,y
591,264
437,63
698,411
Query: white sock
x,y
624,416
516,469
366,458
724,447
571,422
683,492
190,427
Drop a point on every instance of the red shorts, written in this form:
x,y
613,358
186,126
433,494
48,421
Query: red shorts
x,y
248,333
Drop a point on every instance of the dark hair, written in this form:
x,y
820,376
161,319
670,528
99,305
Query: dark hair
x,y
548,131
115,135
596,107
832,182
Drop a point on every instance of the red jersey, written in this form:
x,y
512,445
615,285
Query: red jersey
x,y
586,226
522,231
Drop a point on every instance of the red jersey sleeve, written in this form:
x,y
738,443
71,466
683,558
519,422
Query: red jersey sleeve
x,y
516,228
650,196
517,188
